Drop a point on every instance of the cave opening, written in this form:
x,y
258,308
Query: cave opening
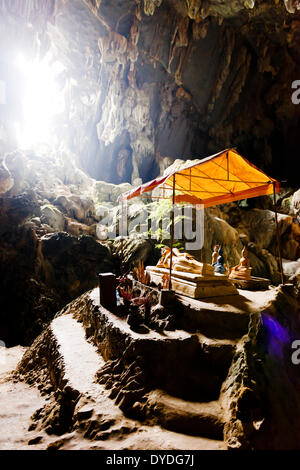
x,y
43,102
96,98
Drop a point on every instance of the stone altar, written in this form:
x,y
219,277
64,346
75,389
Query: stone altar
x,y
190,277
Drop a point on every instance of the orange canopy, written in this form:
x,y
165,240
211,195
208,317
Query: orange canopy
x,y
218,179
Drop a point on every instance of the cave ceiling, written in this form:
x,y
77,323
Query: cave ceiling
x,y
149,81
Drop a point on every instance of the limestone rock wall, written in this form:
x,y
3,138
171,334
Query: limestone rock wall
x,y
144,83
161,103
263,381
140,84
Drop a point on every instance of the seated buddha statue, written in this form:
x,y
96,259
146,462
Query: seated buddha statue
x,y
218,260
243,269
215,255
182,262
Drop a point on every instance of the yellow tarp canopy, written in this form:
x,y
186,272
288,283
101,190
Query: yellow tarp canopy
x,y
218,179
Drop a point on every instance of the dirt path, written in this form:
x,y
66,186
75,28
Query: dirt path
x,y
18,402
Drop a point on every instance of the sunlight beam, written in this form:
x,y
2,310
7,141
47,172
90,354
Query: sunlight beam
x,y
43,101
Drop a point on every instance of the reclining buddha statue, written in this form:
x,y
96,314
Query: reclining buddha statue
x,y
183,262
243,269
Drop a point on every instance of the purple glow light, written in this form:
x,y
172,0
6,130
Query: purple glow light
x,y
278,337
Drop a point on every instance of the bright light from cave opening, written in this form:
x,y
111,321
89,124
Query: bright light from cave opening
x,y
43,101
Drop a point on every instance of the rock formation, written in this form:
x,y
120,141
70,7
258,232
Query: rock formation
x,y
51,250
142,87
212,376
133,91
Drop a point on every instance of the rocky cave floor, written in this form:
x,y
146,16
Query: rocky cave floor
x,y
145,83
19,402
89,381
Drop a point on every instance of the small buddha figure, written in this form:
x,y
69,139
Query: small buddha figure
x,y
219,264
163,261
243,269
182,262
215,255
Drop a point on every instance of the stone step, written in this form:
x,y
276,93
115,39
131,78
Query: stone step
x,y
99,417
83,404
194,418
217,353
189,365
80,360
220,317
73,364
186,365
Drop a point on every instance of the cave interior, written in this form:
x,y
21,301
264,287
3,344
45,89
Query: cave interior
x,y
98,97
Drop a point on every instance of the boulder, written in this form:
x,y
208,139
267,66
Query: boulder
x,y
263,263
259,227
120,189
218,231
76,228
295,205
14,210
53,217
71,264
76,207
69,172
291,268
16,163
6,179
133,250
103,191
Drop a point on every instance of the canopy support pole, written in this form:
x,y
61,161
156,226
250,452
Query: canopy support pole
x,y
277,235
172,234
122,239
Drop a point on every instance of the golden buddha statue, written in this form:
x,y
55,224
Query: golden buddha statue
x,y
183,262
243,269
215,254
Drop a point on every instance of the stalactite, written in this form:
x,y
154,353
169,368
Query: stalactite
x,y
132,48
193,8
200,29
180,38
292,5
224,129
113,47
224,69
151,5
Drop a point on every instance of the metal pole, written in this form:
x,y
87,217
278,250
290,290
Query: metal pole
x,y
277,235
227,158
122,240
172,234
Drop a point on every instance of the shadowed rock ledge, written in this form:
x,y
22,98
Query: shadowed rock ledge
x,y
235,391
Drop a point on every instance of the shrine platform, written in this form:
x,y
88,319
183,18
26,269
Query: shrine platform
x,y
193,285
